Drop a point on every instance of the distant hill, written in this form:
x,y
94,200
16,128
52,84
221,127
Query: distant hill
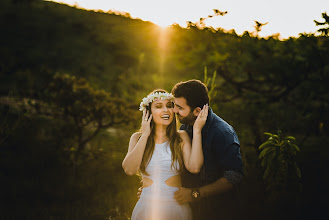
x,y
95,45
114,52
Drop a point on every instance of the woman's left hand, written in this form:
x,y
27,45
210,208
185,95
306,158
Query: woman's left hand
x,y
200,121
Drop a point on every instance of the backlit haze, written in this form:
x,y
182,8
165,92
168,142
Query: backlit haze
x,y
287,17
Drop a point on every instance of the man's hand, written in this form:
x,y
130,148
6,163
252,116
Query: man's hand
x,y
183,195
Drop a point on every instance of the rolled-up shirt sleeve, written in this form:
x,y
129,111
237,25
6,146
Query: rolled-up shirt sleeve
x,y
228,153
232,163
233,177
231,158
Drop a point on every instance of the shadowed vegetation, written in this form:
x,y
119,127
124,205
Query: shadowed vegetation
x,y
70,85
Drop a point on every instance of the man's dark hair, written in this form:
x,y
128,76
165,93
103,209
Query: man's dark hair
x,y
194,91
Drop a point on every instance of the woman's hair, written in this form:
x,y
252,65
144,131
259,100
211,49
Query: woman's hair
x,y
194,91
174,141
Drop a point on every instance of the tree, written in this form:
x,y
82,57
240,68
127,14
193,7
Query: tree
x,y
210,83
201,23
89,110
325,30
258,26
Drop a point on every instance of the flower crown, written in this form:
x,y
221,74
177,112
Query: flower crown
x,y
153,97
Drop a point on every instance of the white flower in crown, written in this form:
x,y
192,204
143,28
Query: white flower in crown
x,y
155,96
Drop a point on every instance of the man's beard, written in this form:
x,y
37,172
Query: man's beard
x,y
188,120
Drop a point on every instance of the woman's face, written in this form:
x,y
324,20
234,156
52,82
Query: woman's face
x,y
162,112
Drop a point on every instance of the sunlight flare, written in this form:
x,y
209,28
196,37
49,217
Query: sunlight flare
x,y
163,51
240,17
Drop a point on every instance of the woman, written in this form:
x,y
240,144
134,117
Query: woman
x,y
160,153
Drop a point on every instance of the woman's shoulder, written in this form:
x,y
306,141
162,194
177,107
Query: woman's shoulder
x,y
183,134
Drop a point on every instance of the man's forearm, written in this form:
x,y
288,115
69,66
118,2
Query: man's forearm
x,y
220,186
224,184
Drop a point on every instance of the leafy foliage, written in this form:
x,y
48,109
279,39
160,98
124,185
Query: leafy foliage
x,y
325,30
9,122
89,110
111,61
281,172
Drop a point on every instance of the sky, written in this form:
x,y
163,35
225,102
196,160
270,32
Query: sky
x,y
287,17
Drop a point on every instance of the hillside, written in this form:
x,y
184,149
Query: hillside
x,y
261,85
98,46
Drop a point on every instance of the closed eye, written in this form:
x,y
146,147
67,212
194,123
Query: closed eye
x,y
170,105
179,107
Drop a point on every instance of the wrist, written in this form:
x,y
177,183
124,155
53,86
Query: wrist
x,y
195,193
196,131
145,135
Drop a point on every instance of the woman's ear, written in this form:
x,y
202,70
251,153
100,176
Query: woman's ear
x,y
196,111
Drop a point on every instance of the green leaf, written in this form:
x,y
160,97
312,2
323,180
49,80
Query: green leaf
x,y
276,137
265,151
280,134
296,147
292,146
266,143
298,172
269,134
290,138
266,173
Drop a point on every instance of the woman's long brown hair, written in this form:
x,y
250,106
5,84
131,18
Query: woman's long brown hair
x,y
174,141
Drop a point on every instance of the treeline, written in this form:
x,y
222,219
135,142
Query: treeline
x,y
71,81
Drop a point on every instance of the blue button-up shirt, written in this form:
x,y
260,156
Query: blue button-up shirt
x,y
221,151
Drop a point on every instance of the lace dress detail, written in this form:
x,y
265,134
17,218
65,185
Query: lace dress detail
x,y
157,201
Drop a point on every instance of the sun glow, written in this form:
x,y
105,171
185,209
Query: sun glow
x,y
289,18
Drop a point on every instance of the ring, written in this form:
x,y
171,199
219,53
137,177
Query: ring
x,y
145,119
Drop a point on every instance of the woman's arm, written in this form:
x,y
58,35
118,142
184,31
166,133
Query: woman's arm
x,y
192,152
134,157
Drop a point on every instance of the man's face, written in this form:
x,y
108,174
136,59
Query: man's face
x,y
183,111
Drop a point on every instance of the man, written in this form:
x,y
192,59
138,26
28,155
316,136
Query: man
x,y
211,192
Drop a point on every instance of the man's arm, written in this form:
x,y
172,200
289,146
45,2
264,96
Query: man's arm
x,y
232,176
222,185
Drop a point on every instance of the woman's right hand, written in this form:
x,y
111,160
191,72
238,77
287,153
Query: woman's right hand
x,y
146,123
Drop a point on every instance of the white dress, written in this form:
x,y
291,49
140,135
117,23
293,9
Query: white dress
x,y
157,201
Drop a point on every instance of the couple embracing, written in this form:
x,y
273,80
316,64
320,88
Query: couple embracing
x,y
186,173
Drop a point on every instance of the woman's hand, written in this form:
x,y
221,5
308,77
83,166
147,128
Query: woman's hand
x,y
201,119
137,144
146,123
